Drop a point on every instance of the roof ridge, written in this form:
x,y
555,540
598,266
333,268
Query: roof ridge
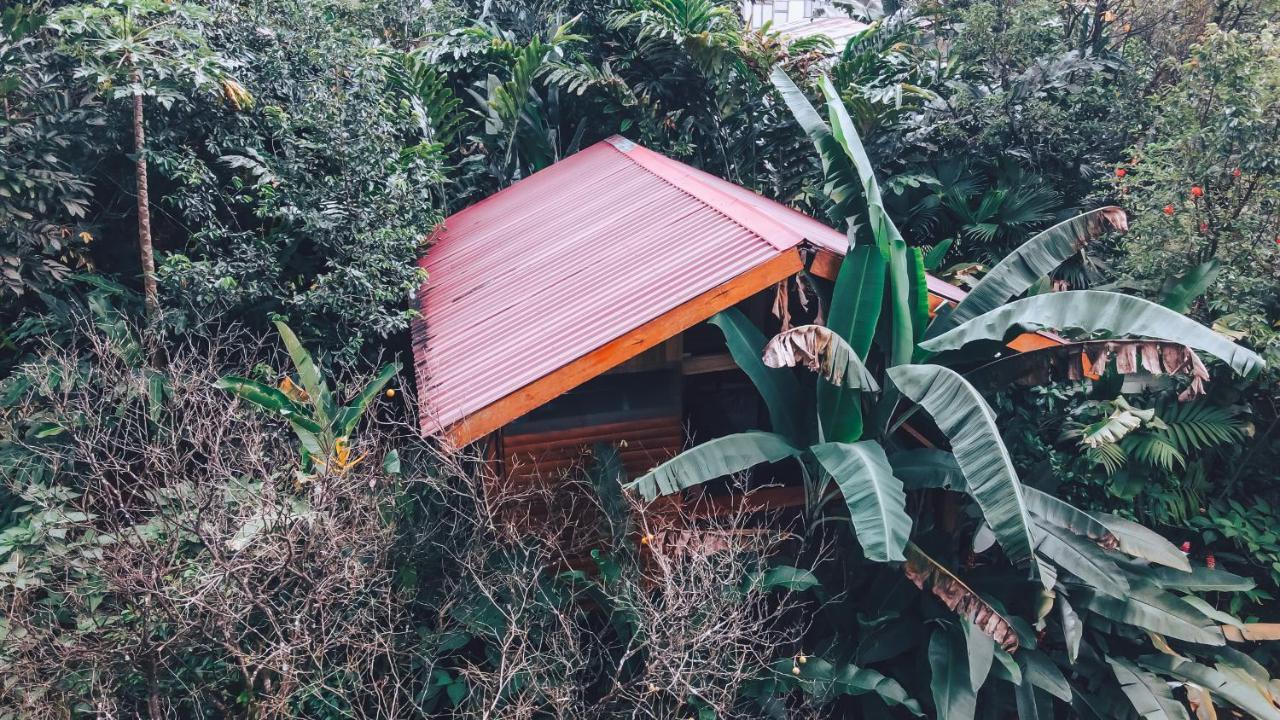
x,y
683,178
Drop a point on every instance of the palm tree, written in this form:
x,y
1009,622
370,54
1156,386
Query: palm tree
x,y
881,361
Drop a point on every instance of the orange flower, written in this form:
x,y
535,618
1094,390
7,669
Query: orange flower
x,y
1197,191
1121,172
1168,209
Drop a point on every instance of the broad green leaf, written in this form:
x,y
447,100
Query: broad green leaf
x,y
391,463
1213,613
1150,695
1179,296
982,651
855,311
788,577
903,342
1039,670
1072,627
1081,558
778,387
1065,515
1151,608
710,460
918,295
923,468
1234,691
841,184
857,298
969,423
824,681
933,259
1097,311
351,414
270,399
1031,703
1199,579
1139,541
876,501
886,234
308,374
1006,668
1033,260
953,693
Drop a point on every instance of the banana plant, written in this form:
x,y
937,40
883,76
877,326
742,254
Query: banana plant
x,y
323,427
882,361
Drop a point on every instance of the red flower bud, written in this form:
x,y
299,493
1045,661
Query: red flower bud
x,y
1197,191
1204,227
1210,561
1121,172
1168,209
1186,546
1235,173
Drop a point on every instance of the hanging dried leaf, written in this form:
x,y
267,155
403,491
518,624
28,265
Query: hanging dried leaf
x,y
1086,360
822,351
782,305
928,574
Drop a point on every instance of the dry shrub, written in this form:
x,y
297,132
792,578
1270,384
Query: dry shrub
x,y
169,561
173,564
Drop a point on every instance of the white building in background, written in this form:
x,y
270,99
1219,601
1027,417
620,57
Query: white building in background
x,y
800,18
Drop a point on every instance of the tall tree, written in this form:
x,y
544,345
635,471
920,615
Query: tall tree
x,y
136,49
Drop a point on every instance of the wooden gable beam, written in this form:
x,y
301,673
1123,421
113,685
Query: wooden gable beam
x,y
618,351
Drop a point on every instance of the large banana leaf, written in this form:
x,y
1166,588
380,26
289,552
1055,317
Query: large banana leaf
x,y
710,460
1065,515
1179,296
1149,694
922,468
1097,311
883,230
1200,579
1151,608
929,574
841,180
953,693
309,375
1139,541
270,399
1039,670
1025,266
981,651
1082,559
349,415
825,681
855,311
1233,690
778,387
970,425
876,501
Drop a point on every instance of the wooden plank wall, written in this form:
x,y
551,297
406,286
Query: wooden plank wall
x,y
643,443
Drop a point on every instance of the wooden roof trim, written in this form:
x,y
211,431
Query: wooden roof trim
x,y
617,351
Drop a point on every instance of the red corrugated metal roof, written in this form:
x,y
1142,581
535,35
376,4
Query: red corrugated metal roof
x,y
533,277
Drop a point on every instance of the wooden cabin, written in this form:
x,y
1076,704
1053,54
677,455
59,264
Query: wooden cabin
x,y
569,309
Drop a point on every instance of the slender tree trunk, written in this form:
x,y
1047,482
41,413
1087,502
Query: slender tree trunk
x,y
149,292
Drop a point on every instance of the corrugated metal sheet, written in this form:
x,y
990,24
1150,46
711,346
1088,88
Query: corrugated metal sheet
x,y
579,254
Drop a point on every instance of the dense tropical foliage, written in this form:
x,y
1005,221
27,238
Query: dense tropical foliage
x,y
213,502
